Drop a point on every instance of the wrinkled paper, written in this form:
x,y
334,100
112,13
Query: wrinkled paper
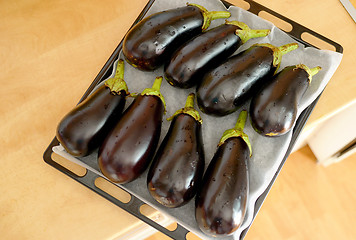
x,y
268,153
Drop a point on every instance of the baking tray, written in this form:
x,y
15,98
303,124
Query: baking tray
x,y
133,206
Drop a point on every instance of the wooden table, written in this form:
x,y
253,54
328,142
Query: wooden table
x,y
50,52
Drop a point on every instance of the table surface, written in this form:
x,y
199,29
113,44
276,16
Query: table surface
x,y
50,52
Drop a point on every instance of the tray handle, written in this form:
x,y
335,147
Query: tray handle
x,y
297,29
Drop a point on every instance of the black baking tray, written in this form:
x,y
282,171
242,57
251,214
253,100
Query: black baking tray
x,y
133,206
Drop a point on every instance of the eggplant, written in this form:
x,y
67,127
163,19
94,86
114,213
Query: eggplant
x,y
151,41
221,203
206,51
129,148
224,89
178,166
85,127
273,110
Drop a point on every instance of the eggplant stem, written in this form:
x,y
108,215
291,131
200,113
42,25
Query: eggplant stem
x,y
155,90
241,121
218,14
237,131
315,70
245,33
210,16
190,101
157,83
117,83
278,52
188,109
120,68
255,33
288,48
311,72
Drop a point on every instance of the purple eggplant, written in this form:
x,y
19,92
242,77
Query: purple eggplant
x,y
178,166
151,41
273,110
85,127
222,201
129,148
206,51
224,89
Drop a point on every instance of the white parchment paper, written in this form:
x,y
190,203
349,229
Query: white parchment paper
x,y
267,152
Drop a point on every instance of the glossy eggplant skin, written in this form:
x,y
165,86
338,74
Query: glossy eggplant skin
x,y
222,202
129,148
151,42
224,89
199,55
273,110
177,170
85,127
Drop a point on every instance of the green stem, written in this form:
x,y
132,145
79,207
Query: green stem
x,y
117,83
311,72
278,52
188,109
255,33
155,90
240,124
237,131
315,70
245,33
190,101
119,73
213,15
288,48
157,83
210,16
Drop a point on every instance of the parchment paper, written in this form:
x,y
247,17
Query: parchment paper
x,y
267,152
